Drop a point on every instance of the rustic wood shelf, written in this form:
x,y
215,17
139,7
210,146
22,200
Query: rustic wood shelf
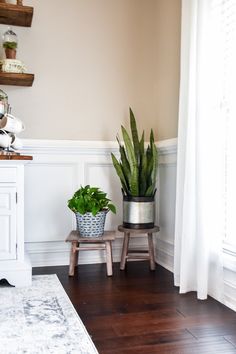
x,y
16,157
16,79
16,15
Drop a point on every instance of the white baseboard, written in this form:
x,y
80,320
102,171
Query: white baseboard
x,y
165,254
57,253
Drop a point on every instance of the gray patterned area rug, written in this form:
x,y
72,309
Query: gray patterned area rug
x,y
41,319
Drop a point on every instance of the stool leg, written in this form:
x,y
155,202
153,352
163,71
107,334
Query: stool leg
x,y
124,250
151,252
73,258
109,258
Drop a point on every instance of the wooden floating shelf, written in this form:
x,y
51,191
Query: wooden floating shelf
x,y
16,15
16,79
15,157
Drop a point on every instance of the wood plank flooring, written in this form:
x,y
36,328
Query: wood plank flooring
x,y
140,312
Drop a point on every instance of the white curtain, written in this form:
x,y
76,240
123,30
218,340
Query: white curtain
x,y
201,161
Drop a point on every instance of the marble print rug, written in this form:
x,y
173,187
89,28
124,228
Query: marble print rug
x,y
41,320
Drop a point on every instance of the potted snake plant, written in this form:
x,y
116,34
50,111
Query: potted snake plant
x,y
137,170
90,205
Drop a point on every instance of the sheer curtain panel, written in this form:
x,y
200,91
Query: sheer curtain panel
x,y
204,111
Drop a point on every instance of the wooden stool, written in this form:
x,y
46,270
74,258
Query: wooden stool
x,y
100,243
137,253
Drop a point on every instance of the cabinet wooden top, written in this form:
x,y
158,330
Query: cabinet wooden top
x,y
16,157
16,15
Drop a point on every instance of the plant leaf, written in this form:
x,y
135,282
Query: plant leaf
x,y
120,173
134,185
112,208
134,133
124,162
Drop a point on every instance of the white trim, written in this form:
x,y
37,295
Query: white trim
x,y
165,254
230,294
168,146
40,146
229,249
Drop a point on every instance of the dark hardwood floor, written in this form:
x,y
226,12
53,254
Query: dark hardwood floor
x,y
138,311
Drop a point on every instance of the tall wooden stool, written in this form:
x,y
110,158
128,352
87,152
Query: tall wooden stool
x,y
98,243
128,254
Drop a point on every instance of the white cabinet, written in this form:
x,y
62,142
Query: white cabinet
x,y
8,222
15,266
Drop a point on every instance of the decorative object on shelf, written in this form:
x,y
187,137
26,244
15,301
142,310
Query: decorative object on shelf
x,y
14,14
12,66
9,142
3,103
11,124
90,205
10,43
9,155
9,127
16,143
5,140
137,170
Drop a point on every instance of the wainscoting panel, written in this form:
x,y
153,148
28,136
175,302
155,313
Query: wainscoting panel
x,y
230,277
166,206
57,170
60,167
47,189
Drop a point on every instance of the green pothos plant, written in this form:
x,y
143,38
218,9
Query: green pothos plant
x,y
90,200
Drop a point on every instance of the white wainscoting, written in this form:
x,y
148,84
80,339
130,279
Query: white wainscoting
x,y
58,169
230,276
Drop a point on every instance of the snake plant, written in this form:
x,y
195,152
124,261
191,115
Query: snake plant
x,y
137,167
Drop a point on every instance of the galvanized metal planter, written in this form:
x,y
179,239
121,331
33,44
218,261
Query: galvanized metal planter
x,y
89,225
138,212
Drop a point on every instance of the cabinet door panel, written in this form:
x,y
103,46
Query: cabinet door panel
x,y
7,223
8,175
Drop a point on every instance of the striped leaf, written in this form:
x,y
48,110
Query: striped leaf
x,y
124,161
134,185
120,173
134,133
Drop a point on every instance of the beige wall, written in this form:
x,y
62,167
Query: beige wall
x,y
93,59
168,25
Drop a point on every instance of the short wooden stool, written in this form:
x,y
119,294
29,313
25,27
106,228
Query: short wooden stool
x,y
128,253
100,243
